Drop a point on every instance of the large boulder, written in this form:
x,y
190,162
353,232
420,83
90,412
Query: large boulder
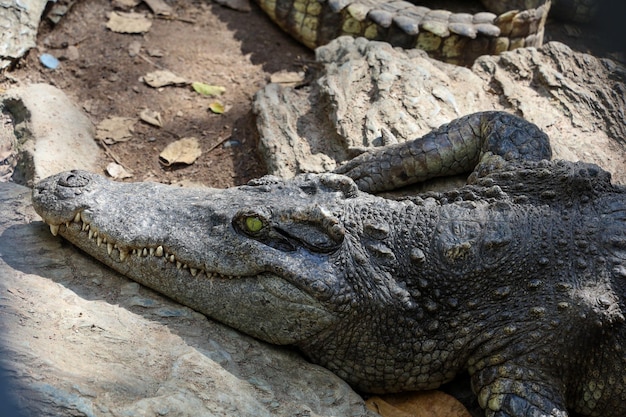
x,y
49,134
19,21
78,339
363,86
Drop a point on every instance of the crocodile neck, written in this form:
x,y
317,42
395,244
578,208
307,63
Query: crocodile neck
x,y
464,242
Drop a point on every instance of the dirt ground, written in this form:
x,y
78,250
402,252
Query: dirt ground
x,y
202,42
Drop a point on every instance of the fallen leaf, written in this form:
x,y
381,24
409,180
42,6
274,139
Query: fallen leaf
x,y
163,78
183,151
216,107
156,53
115,129
131,22
287,78
117,171
208,90
151,117
57,11
239,5
159,7
426,403
125,4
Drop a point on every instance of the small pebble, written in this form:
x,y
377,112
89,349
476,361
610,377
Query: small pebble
x,y
49,61
72,53
134,48
231,143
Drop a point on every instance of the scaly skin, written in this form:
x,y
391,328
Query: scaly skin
x,y
453,148
458,38
518,278
570,10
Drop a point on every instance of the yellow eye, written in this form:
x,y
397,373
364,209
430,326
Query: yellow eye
x,y
254,224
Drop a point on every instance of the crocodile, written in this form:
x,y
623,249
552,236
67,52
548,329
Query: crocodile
x,y
457,38
517,279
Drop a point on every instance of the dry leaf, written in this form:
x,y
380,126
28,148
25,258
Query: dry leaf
x,y
239,5
159,7
217,107
158,79
183,151
125,4
208,90
151,117
287,78
117,171
121,22
115,129
417,404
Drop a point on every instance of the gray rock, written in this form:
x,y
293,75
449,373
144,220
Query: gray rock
x,y
78,339
19,21
51,133
364,86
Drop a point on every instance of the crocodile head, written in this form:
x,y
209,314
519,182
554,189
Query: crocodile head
x,y
258,257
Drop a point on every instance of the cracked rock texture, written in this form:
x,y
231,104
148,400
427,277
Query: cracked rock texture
x,y
19,20
78,339
362,86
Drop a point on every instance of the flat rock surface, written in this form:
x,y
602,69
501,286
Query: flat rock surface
x,y
54,134
363,86
79,339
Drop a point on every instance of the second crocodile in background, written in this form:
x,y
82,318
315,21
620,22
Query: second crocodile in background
x,y
455,37
518,278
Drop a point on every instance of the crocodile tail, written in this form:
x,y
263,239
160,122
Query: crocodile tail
x,y
454,148
457,38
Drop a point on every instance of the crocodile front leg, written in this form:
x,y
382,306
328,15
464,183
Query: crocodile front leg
x,y
509,391
454,148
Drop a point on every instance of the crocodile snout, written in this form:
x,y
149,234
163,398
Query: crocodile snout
x,y
58,198
73,179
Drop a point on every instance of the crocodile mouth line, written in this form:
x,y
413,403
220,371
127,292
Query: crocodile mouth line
x,y
80,225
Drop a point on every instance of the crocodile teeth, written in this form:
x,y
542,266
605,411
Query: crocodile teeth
x,y
193,271
109,248
54,229
99,241
158,251
91,234
178,265
172,258
67,225
77,217
123,254
85,226
144,252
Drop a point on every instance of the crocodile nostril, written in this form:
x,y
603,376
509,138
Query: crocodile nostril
x,y
74,179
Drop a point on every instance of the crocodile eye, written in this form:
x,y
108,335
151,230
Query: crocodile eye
x,y
253,224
